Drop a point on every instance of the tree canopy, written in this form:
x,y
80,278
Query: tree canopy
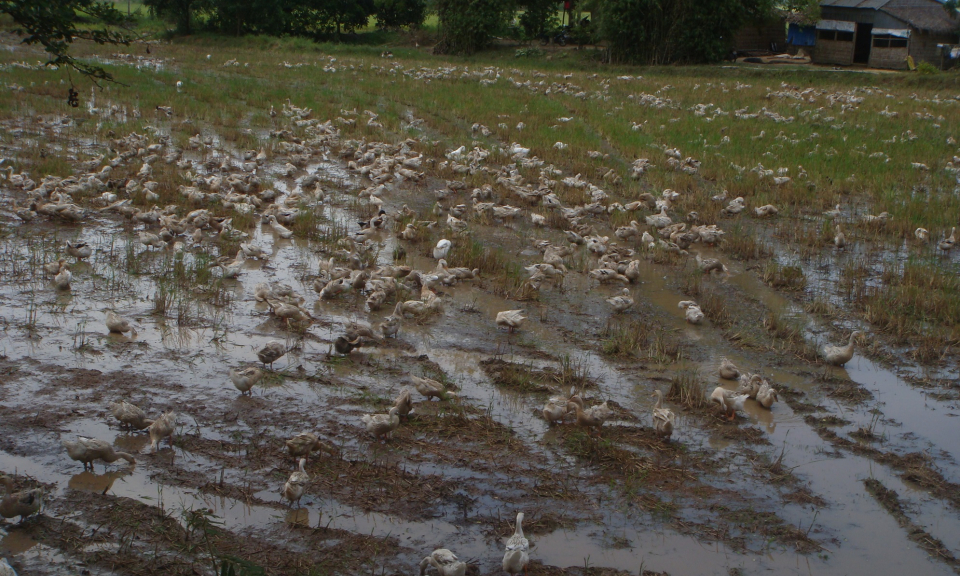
x,y
55,24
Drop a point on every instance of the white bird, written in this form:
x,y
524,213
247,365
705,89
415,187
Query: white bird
x,y
244,380
663,418
516,557
279,228
445,562
693,314
296,485
922,234
62,279
7,570
441,249
118,324
839,355
729,401
510,319
621,303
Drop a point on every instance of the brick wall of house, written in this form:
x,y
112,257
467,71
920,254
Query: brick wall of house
x,y
833,52
893,58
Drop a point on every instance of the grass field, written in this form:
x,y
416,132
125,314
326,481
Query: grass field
x,y
569,143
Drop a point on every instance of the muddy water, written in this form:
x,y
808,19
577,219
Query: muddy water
x,y
43,328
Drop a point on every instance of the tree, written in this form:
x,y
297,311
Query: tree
x,y
181,11
338,16
53,24
400,13
470,25
656,32
539,17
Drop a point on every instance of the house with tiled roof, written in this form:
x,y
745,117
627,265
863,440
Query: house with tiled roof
x,y
882,33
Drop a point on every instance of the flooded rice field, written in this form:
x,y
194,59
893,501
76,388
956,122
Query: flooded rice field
x,y
340,234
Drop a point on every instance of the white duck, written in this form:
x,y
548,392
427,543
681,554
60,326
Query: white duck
x,y
660,220
441,249
296,484
244,380
693,313
728,370
510,319
516,557
621,303
162,427
445,562
118,324
839,355
382,424
281,230
729,401
767,396
63,278
79,250
663,418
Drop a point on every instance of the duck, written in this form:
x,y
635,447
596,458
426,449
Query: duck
x,y
693,313
251,250
118,324
647,240
729,401
130,415
271,352
922,235
231,267
766,210
663,418
441,249
839,355
445,562
344,346
431,388
63,278
767,396
517,555
510,319
840,240
382,424
660,220
151,240
79,250
305,443
53,268
949,242
162,427
557,408
281,230
390,325
296,485
621,303
728,370
593,417
708,265
23,504
835,213
404,402
750,384
87,450
244,380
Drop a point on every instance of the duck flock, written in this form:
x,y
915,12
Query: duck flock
x,y
509,183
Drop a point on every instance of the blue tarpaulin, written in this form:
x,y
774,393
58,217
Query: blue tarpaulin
x,y
798,35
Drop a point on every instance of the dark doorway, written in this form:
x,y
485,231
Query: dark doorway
x,y
861,47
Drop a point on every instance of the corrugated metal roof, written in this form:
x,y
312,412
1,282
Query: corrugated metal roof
x,y
926,15
931,18
866,4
